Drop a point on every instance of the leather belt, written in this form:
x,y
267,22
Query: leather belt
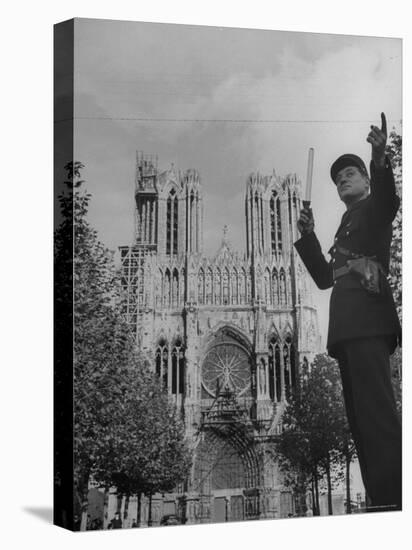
x,y
340,272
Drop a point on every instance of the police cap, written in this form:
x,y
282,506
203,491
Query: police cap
x,y
347,160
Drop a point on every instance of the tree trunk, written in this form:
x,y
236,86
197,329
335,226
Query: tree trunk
x,y
83,522
317,507
119,503
83,491
126,507
139,509
149,519
312,490
348,495
328,477
300,500
106,508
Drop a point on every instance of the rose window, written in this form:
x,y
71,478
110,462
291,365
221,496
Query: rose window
x,y
226,365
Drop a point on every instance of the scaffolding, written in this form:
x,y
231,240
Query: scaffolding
x,y
133,260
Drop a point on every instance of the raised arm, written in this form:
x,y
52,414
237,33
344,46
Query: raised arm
x,y
384,200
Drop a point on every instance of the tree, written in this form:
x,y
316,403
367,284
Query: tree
x,y
315,440
396,368
117,399
155,456
298,466
394,151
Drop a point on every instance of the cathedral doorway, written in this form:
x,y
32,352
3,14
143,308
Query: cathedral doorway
x,y
237,512
220,510
226,467
227,472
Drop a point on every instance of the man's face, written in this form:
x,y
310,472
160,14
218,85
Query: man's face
x,y
352,185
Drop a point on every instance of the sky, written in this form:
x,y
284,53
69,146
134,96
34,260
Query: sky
x,y
226,102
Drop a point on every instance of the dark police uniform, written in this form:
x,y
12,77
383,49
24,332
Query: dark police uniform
x,y
363,331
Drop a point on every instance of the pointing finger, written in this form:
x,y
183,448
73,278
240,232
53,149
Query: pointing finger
x,y
383,118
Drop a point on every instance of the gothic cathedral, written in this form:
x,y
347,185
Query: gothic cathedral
x,y
225,334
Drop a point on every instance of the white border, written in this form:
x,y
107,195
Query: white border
x,y
26,229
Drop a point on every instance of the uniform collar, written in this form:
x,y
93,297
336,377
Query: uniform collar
x,y
357,204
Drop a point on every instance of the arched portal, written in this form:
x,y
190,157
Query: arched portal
x,y
226,463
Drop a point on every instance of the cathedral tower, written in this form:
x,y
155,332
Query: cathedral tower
x,y
272,205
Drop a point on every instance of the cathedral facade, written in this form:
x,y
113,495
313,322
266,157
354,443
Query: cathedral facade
x,y
225,334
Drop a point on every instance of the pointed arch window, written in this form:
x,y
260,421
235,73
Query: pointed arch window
x,y
295,207
248,287
201,286
209,285
267,295
275,377
289,297
182,278
226,287
259,284
169,210
275,287
192,219
175,288
275,224
161,358
159,288
178,369
175,225
217,285
171,223
167,289
293,210
258,221
243,285
234,286
282,287
289,365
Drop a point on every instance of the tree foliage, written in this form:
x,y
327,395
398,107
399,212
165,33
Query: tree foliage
x,y
394,151
123,421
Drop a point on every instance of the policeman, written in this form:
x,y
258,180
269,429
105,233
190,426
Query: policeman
x,y
363,325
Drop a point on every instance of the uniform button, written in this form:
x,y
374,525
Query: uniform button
x,y
333,260
347,233
336,239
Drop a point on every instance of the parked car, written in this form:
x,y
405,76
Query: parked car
x,y
169,519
